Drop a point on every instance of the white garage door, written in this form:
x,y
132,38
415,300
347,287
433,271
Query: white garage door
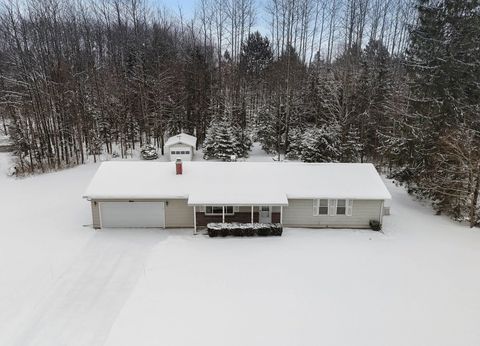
x,y
182,153
132,214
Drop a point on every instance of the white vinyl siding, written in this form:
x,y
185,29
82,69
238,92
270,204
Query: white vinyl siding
x,y
358,214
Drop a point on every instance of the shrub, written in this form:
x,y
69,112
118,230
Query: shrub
x,y
276,229
263,230
225,232
238,231
249,232
375,225
212,232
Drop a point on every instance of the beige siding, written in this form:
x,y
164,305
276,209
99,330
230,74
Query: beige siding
x,y
299,213
95,214
178,214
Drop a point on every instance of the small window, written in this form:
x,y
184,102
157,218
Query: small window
x,y
187,152
217,210
264,208
173,152
323,207
341,206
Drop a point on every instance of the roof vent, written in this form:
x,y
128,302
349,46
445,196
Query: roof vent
x,y
178,166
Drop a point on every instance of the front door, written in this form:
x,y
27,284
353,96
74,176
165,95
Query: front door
x,y
265,214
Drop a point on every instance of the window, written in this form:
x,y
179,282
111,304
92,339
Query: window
x,y
323,207
264,208
187,152
217,210
173,152
341,206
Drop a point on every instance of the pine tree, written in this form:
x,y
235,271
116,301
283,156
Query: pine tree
x,y
296,139
270,128
322,144
351,146
444,65
220,142
256,56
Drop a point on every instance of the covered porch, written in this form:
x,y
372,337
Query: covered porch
x,y
239,208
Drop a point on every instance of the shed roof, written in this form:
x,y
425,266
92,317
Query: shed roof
x,y
238,183
182,138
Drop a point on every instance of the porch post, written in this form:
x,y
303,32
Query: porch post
x,y
223,214
194,220
252,215
281,214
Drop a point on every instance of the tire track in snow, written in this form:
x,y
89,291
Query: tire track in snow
x,y
84,303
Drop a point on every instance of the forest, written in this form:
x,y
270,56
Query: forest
x,y
393,82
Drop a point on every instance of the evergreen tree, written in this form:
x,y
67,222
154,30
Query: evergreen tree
x,y
255,56
322,144
351,146
220,142
444,65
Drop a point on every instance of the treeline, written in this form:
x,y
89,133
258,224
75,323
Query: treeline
x,y
393,82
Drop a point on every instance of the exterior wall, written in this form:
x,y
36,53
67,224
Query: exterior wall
x,y
95,214
242,217
183,147
178,214
299,213
275,217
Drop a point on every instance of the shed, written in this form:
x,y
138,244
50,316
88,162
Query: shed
x,y
181,146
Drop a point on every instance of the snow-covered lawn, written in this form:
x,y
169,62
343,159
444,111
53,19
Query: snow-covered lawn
x,y
63,284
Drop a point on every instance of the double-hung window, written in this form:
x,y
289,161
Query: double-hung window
x,y
218,210
341,207
332,207
323,207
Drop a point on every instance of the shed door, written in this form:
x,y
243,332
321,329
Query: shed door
x,y
132,214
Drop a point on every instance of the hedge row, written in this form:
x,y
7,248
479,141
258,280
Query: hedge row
x,y
244,229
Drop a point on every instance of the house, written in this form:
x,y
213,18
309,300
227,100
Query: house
x,y
192,194
181,146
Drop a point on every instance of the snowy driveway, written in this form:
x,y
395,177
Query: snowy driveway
x,y
83,304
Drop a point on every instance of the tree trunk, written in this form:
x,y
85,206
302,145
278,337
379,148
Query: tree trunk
x,y
473,207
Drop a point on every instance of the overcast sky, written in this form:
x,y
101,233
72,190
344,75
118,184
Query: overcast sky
x,y
188,9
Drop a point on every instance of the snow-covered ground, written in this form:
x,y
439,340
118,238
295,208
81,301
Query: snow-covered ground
x,y
61,283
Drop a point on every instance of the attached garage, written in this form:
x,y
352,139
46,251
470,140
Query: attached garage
x,y
168,195
132,214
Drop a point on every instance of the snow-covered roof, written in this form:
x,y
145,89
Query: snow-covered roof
x,y
182,138
238,183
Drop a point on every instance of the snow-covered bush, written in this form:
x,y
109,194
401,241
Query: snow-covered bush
x,y
375,225
244,229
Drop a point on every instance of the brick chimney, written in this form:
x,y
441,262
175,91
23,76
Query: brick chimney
x,y
178,166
